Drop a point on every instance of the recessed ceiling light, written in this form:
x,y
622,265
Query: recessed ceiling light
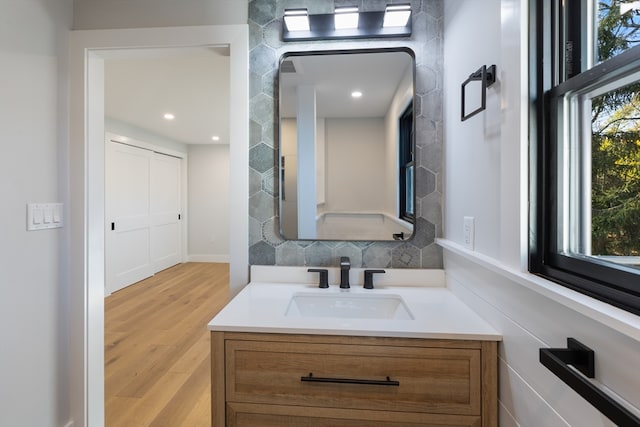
x,y
356,94
169,116
215,138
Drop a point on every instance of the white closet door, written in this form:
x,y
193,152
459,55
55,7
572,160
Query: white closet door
x,y
165,211
128,227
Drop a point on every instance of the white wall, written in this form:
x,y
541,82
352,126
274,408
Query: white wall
x,y
101,14
355,155
208,211
34,369
486,177
86,172
125,129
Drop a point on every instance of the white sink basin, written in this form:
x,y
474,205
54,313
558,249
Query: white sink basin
x,y
348,306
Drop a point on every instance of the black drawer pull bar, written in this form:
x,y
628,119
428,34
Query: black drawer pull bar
x,y
311,378
557,360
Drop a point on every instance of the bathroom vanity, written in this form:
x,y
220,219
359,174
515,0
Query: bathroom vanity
x,y
293,354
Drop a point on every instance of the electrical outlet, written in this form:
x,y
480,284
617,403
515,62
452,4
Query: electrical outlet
x,y
469,231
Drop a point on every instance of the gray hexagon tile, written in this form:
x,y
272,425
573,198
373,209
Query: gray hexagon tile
x,y
255,231
265,25
270,182
269,134
378,255
313,6
318,254
271,33
434,8
289,253
255,133
255,182
432,105
255,34
406,256
270,83
262,59
262,11
262,254
270,232
432,256
255,84
430,208
374,5
261,157
426,79
261,206
426,131
425,182
262,109
430,157
426,234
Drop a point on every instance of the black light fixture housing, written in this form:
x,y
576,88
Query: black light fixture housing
x,y
370,25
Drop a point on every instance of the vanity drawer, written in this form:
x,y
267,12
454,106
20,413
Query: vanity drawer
x,y
252,415
430,380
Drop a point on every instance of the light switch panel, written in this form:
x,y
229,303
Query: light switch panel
x,y
41,216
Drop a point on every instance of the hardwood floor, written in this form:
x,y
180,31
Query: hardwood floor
x,y
157,361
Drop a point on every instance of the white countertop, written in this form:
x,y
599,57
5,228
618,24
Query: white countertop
x,y
438,314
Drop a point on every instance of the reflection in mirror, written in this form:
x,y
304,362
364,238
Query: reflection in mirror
x,y
347,145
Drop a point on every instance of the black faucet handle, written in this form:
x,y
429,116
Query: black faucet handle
x,y
323,276
368,277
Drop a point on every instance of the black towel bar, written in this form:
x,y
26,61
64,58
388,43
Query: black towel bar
x,y
486,75
581,357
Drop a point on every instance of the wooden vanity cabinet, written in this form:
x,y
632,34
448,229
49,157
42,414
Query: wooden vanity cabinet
x,y
344,381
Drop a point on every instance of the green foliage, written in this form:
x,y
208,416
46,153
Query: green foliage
x,y
616,145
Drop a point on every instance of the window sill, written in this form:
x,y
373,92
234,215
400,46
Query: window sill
x,y
615,318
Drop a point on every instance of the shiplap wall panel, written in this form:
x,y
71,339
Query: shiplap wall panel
x,y
529,321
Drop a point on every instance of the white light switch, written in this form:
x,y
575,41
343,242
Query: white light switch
x,y
37,216
41,216
48,215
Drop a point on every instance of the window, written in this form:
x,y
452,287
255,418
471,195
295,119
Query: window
x,y
406,165
586,157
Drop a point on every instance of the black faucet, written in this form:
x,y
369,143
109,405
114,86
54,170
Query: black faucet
x,y
345,266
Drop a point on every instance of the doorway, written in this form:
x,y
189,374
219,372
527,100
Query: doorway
x,y
167,125
86,233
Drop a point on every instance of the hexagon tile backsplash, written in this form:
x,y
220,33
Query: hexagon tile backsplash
x,y
266,246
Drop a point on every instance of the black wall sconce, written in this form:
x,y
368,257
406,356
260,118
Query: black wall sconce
x,y
487,75
347,23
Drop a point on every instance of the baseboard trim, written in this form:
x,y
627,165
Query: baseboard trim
x,y
208,258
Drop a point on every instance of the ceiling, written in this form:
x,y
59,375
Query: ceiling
x,y
142,85
335,76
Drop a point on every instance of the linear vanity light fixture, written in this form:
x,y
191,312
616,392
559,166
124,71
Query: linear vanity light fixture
x,y
296,19
346,18
397,15
347,23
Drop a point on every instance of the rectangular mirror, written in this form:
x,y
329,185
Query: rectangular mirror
x,y
347,145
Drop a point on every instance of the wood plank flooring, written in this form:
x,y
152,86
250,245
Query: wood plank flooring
x,y
157,354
